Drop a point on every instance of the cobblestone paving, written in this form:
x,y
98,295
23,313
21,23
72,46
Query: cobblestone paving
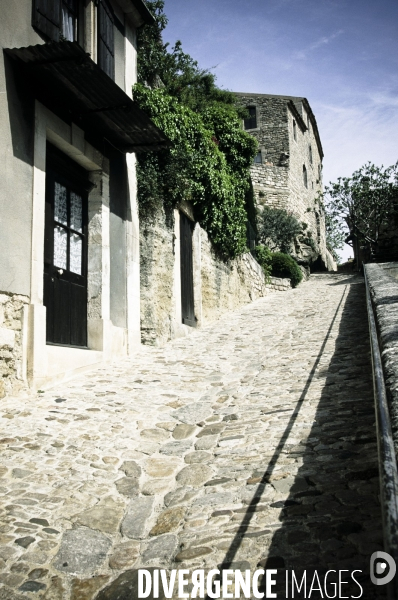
x,y
251,442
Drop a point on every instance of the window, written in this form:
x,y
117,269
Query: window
x,y
310,153
65,250
318,227
257,158
69,13
305,178
106,43
56,19
251,120
294,130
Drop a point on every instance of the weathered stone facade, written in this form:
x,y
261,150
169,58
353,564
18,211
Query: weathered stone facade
x,y
13,313
288,173
219,286
156,272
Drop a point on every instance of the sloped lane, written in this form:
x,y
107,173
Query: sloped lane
x,y
251,440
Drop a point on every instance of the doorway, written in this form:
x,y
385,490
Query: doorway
x,y
186,262
65,250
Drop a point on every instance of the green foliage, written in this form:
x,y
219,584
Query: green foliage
x,y
335,235
210,155
264,259
173,69
309,241
285,266
207,165
361,205
278,229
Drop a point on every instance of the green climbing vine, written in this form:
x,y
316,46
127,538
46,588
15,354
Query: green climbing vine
x,y
209,157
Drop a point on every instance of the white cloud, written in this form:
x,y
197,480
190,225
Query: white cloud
x,y
355,134
302,54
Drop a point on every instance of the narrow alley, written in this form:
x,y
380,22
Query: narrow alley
x,y
249,444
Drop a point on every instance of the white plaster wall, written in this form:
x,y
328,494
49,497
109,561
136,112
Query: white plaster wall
x,y
16,153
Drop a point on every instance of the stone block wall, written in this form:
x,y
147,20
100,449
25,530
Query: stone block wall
x,y
288,139
272,126
383,286
270,185
157,287
12,336
219,286
227,285
277,284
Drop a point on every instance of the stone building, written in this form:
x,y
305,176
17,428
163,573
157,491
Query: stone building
x,y
69,239
73,290
287,170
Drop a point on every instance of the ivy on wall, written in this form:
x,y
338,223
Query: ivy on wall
x,y
209,157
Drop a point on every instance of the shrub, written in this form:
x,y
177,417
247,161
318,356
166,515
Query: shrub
x,y
277,228
285,266
264,259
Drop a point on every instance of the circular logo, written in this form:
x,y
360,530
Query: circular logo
x,y
382,568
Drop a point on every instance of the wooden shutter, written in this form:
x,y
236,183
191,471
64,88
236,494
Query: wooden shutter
x,y
47,17
106,42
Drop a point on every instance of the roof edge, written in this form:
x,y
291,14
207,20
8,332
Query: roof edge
x,y
293,108
137,11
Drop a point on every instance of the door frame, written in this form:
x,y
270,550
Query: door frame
x,y
187,286
47,363
61,169
178,327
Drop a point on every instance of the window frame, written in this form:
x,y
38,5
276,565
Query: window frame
x,y
251,117
258,162
47,18
105,47
305,176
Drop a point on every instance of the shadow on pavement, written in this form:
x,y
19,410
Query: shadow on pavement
x,y
331,519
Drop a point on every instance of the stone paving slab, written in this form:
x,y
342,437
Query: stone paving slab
x,y
250,443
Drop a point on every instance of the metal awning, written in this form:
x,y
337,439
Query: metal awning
x,y
65,75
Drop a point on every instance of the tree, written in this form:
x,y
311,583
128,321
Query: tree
x,y
361,205
174,70
334,235
277,229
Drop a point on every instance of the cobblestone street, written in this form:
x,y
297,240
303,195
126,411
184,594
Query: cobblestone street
x,y
250,442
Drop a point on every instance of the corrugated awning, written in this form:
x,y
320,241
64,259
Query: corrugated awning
x,y
64,73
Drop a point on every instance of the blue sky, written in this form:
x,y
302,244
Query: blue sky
x,y
342,55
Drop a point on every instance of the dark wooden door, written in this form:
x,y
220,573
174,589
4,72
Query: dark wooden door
x,y
65,252
187,297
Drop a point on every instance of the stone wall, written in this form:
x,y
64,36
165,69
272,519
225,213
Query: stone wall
x,y
227,285
277,284
288,139
156,273
270,186
12,335
219,286
383,285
